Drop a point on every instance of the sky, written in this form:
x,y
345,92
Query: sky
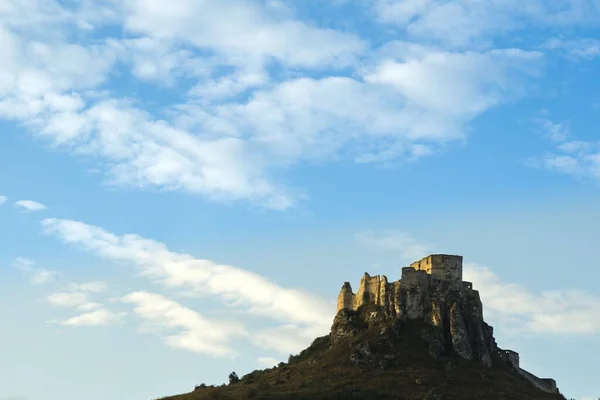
x,y
186,185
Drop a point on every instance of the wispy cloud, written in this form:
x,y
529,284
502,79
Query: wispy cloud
x,y
195,332
89,287
38,276
465,23
78,297
554,311
241,122
569,156
3,199
235,287
395,241
575,49
68,299
95,318
30,205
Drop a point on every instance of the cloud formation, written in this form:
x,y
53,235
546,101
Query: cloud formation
x,y
467,23
94,318
194,332
554,311
38,276
404,244
235,287
266,92
30,205
3,199
78,297
570,156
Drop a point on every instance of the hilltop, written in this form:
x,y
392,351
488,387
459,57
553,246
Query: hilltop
x,y
422,337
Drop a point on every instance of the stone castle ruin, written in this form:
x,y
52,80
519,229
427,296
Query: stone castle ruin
x,y
433,290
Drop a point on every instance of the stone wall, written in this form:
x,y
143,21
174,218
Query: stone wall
x,y
412,277
551,383
370,290
511,357
441,266
446,267
547,385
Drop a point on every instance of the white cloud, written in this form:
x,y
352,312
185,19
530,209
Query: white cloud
x,y
89,287
461,85
142,151
465,23
554,311
304,119
572,157
194,331
234,286
253,33
553,131
222,145
575,49
95,318
3,199
24,264
68,299
409,248
89,306
30,205
267,362
42,276
78,298
38,276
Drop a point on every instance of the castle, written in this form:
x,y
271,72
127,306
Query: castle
x,y
432,289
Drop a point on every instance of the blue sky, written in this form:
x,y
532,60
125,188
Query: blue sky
x,y
185,185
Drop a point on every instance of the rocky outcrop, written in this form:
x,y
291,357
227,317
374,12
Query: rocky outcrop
x,y
430,291
443,301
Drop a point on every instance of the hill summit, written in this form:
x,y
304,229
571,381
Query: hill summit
x,y
420,337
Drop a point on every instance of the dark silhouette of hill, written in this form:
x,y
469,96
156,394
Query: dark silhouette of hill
x,y
387,360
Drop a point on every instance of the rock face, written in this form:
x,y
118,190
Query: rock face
x,y
432,291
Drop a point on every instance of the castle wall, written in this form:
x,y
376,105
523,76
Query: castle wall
x,y
441,266
512,357
370,290
547,385
446,267
413,278
551,383
422,265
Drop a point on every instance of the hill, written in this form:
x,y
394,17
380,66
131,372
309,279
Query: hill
x,y
420,338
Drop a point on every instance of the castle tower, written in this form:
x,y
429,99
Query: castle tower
x,y
441,266
346,297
